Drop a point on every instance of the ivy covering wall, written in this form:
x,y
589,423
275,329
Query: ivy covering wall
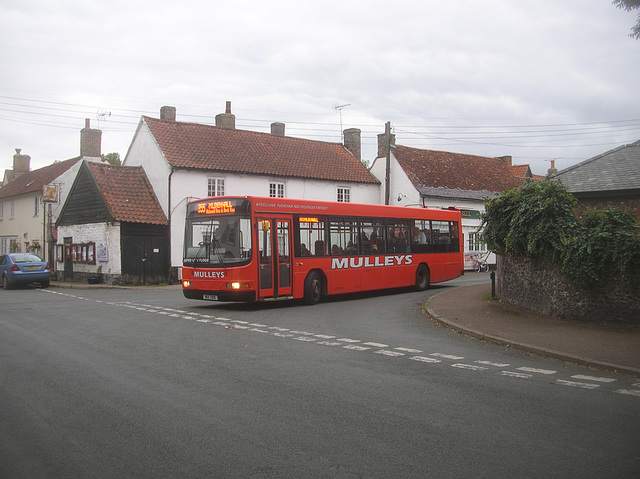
x,y
558,263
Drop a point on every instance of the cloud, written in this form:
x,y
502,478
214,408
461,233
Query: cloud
x,y
441,72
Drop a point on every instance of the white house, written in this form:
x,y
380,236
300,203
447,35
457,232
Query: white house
x,y
441,179
184,161
30,201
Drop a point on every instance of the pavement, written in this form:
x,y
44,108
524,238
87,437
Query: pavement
x,y
469,310
596,343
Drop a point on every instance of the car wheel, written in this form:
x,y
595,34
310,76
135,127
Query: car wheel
x,y
313,288
5,282
44,284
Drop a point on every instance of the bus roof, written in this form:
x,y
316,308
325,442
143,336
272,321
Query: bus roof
x,y
334,208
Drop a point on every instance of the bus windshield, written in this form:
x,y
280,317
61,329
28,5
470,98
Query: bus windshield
x,y
223,240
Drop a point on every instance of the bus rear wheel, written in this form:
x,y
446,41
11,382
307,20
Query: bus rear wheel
x,y
422,278
313,288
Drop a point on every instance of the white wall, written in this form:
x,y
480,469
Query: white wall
x,y
96,233
27,227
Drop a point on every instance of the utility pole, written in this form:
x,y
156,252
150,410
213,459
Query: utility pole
x,y
387,187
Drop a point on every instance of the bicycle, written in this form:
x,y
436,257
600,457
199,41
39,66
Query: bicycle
x,y
480,264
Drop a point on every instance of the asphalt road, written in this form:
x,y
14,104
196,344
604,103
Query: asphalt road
x,y
144,383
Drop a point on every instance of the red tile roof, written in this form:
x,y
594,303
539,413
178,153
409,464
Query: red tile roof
x,y
33,181
521,171
127,193
206,147
443,169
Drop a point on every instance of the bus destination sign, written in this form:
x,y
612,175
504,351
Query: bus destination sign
x,y
216,207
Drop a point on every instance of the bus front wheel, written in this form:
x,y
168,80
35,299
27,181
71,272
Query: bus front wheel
x,y
422,278
313,288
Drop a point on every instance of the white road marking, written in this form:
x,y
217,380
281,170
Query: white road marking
x,y
629,392
376,345
447,356
424,359
535,370
470,367
396,352
514,374
489,363
576,384
409,350
355,347
593,378
386,352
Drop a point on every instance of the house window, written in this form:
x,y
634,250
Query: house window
x,y
12,210
1,211
36,206
276,190
475,244
215,187
344,194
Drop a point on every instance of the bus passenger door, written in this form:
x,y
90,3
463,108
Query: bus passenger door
x,y
275,247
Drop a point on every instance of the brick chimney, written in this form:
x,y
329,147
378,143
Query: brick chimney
x,y
552,170
277,129
352,142
226,119
90,140
168,113
21,163
382,143
507,160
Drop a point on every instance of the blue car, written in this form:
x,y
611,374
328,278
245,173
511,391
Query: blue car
x,y
24,268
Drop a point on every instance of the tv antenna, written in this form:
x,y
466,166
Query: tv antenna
x,y
102,115
339,108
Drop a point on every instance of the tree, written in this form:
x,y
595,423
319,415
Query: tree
x,y
112,158
629,5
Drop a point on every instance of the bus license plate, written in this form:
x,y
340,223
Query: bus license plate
x,y
210,297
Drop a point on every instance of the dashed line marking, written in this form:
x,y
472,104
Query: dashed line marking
x,y
376,345
593,378
409,350
514,374
386,352
424,359
489,363
355,347
329,340
470,367
537,371
447,356
629,392
576,384
305,338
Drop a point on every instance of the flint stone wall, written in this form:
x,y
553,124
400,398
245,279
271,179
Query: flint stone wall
x,y
541,287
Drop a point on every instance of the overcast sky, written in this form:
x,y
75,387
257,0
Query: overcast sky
x,y
537,80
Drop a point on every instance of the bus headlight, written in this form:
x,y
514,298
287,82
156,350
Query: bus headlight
x,y
237,285
186,283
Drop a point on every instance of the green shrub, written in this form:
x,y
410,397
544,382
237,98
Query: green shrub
x,y
534,220
606,246
538,220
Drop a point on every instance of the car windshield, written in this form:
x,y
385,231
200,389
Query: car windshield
x,y
26,258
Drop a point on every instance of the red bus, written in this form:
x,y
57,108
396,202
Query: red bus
x,y
256,249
